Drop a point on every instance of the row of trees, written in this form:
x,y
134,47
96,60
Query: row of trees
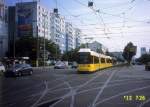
x,y
129,51
29,46
32,47
144,59
72,54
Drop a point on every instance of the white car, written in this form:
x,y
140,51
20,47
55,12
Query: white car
x,y
2,68
60,65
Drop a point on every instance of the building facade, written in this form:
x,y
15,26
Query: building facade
x,y
77,37
70,37
3,29
32,20
58,31
97,47
117,55
143,50
11,30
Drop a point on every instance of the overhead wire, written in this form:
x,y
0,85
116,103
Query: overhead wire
x,y
95,12
70,13
123,17
119,16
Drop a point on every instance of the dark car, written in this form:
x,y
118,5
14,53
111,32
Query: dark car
x,y
19,70
60,65
147,66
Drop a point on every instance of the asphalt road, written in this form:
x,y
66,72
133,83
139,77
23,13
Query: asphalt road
x,y
113,87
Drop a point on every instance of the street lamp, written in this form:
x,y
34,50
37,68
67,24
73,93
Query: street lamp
x,y
44,37
56,51
1,42
37,44
88,38
37,50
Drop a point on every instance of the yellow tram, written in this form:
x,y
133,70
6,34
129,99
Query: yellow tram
x,y
90,61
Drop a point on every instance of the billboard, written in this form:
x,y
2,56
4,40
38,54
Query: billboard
x,y
24,20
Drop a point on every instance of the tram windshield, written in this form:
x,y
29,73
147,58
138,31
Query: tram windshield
x,y
84,58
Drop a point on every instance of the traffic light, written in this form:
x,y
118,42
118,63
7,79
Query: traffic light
x,y
55,10
90,4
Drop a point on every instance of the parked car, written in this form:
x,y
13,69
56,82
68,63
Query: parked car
x,y
138,63
147,66
60,65
2,67
19,70
74,65
53,62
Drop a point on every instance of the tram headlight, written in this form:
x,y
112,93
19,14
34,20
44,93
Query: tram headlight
x,y
88,65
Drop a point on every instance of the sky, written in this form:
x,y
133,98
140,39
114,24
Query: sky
x,y
113,23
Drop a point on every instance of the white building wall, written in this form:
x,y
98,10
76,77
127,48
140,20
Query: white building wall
x,y
58,31
43,22
40,18
77,37
143,50
70,36
97,47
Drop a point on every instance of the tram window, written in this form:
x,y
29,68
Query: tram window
x,y
102,60
96,60
108,60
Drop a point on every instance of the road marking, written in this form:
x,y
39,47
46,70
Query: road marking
x,y
118,84
93,78
126,92
142,104
80,86
21,91
43,94
102,88
61,84
76,87
71,93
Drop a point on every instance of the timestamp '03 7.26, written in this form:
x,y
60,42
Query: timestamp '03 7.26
x,y
134,98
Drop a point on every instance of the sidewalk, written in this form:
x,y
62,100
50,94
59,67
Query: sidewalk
x,y
43,68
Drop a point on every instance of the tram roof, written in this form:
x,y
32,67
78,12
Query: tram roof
x,y
94,53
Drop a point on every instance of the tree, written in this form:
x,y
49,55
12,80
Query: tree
x,y
27,46
51,47
72,55
129,52
145,58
